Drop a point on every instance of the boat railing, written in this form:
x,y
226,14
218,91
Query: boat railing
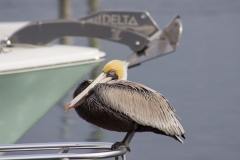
x,y
63,149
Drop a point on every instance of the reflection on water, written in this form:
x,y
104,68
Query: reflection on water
x,y
66,119
96,135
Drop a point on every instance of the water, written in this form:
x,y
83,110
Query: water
x,y
201,79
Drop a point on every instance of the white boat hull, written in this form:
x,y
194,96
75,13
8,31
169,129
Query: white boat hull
x,y
26,97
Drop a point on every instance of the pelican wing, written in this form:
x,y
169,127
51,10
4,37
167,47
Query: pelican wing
x,y
142,104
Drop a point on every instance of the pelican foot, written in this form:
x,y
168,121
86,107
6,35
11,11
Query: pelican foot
x,y
119,145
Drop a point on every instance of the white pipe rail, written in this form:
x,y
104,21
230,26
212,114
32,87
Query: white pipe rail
x,y
63,148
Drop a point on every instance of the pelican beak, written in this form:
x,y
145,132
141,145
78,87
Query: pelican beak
x,y
102,78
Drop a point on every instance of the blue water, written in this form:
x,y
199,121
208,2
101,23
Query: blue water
x,y
201,79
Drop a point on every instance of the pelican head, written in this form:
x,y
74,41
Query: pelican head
x,y
113,70
117,67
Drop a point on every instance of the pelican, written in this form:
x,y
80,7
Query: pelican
x,y
116,104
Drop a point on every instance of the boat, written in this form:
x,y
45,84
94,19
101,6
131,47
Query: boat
x,y
34,75
34,78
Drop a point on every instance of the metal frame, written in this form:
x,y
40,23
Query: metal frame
x,y
136,29
63,148
43,32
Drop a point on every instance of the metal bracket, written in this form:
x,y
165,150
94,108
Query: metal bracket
x,y
161,43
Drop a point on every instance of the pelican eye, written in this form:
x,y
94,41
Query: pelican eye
x,y
112,72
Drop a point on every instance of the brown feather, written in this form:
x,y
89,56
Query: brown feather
x,y
118,105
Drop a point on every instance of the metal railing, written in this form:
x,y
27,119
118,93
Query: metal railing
x,y
63,148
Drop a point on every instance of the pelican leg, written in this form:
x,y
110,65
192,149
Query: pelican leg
x,y
126,141
123,157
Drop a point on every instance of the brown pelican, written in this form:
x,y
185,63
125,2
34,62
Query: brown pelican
x,y
113,103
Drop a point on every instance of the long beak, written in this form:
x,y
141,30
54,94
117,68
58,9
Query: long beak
x,y
102,78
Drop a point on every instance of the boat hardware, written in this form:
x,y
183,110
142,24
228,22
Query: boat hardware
x,y
63,148
136,29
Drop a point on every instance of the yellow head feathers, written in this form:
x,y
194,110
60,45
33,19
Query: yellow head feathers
x,y
119,66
